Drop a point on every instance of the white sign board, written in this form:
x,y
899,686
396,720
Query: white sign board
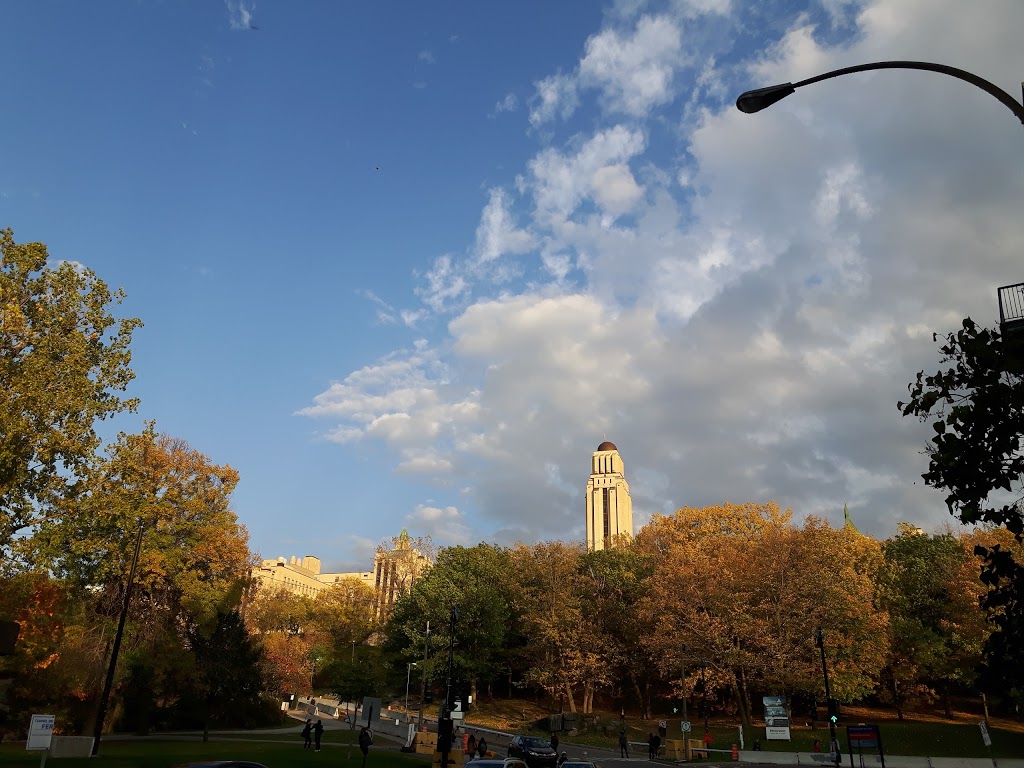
x,y
39,732
370,713
986,739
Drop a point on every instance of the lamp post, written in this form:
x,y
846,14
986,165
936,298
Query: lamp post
x,y
682,672
423,675
819,640
108,682
408,675
762,98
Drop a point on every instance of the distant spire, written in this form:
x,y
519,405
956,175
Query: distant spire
x,y
848,522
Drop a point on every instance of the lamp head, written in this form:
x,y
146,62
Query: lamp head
x,y
762,98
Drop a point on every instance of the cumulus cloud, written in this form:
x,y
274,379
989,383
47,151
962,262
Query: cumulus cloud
x,y
737,301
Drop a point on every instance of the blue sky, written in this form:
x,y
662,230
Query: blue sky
x,y
407,264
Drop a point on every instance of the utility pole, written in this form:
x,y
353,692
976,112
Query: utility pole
x,y
108,682
819,639
423,672
682,672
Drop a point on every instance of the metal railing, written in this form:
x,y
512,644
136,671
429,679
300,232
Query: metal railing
x,y
1011,307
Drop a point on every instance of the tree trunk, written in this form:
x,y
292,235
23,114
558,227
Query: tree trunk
x,y
641,700
739,687
568,694
894,688
945,699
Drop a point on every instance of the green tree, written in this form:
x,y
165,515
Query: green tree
x,y
930,588
976,407
63,359
476,580
231,670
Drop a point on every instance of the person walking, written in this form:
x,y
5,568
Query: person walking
x,y
554,741
651,754
657,745
623,744
307,731
562,758
471,746
365,740
318,732
481,747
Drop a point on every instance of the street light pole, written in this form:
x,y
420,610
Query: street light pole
x,y
819,639
682,672
408,675
762,98
108,682
423,672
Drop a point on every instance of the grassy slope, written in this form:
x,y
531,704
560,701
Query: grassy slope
x,y
921,734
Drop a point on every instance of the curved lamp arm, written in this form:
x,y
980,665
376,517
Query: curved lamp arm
x,y
760,98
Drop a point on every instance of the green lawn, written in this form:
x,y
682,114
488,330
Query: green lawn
x,y
931,739
165,754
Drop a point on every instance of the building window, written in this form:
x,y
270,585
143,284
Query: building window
x,y
607,516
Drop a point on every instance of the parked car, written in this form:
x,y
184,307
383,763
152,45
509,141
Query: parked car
x,y
577,764
488,762
534,751
224,764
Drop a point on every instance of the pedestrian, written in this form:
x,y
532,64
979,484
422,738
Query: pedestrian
x,y
657,744
307,731
471,745
817,746
651,749
365,740
757,746
554,741
318,733
707,739
481,747
623,744
562,758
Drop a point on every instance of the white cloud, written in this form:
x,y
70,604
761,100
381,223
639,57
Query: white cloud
x,y
426,56
510,103
497,234
556,97
635,73
240,16
446,526
739,305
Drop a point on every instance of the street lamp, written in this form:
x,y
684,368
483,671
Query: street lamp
x,y
408,675
762,98
819,640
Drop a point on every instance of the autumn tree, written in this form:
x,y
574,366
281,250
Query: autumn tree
x,y
63,359
194,558
976,407
743,590
612,583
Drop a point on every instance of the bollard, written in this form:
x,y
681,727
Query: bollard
x,y
735,752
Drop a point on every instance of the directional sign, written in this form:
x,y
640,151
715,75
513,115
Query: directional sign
x,y
39,732
686,726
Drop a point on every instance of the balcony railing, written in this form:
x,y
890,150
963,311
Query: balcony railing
x,y
1011,309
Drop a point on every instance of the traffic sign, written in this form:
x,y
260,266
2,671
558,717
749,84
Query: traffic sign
x,y
686,726
986,739
662,724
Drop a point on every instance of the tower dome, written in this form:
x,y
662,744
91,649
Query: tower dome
x,y
607,446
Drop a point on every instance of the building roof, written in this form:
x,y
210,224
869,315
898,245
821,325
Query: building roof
x,y
607,446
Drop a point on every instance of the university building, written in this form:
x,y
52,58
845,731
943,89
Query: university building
x,y
394,572
609,506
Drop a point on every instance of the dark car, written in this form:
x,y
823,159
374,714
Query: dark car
x,y
224,764
533,750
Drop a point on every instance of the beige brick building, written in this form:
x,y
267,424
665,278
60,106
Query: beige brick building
x,y
609,505
394,571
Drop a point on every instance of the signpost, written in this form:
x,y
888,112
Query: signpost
x,y
985,738
864,737
776,718
40,731
685,725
